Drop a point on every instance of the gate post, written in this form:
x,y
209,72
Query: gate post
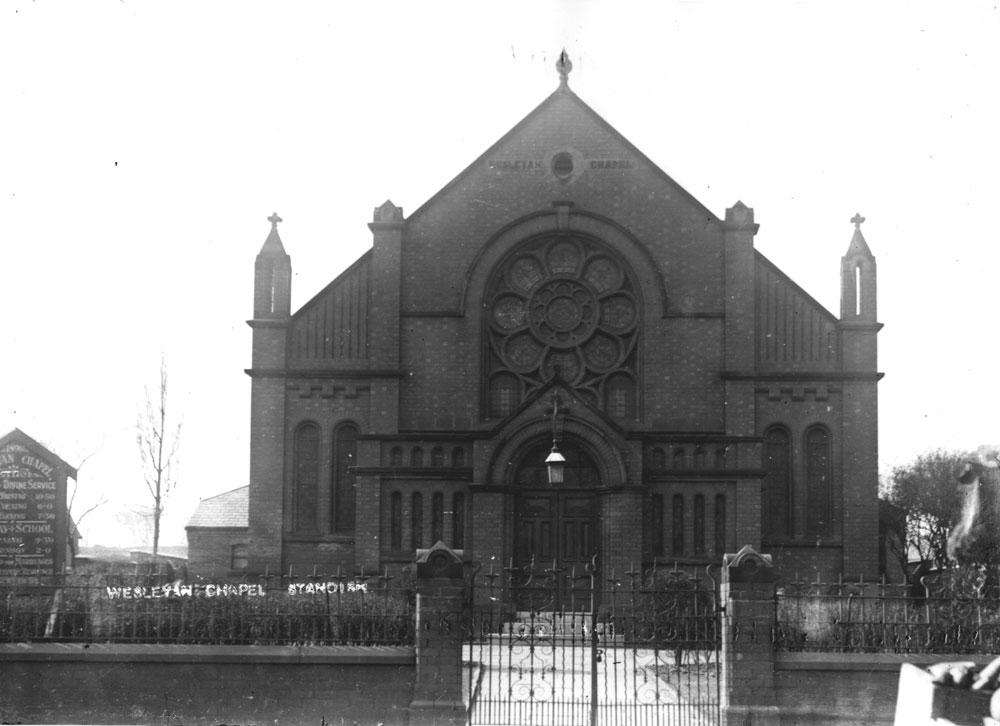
x,y
439,636
747,679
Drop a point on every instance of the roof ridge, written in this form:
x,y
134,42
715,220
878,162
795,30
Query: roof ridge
x,y
222,494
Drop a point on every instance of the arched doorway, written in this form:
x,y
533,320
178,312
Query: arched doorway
x,y
557,527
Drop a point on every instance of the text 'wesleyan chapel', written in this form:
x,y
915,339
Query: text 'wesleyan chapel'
x,y
561,288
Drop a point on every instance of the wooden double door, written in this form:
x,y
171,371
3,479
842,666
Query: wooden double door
x,y
557,530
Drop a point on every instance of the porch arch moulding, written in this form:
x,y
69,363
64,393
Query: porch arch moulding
x,y
607,453
652,288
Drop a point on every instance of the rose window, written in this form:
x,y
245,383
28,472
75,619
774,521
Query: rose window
x,y
563,305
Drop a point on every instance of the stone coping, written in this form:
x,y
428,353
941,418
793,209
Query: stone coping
x,y
866,661
168,653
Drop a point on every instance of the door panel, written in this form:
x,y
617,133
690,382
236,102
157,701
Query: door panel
x,y
535,524
557,528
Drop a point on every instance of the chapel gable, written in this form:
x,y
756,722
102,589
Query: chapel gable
x,y
562,150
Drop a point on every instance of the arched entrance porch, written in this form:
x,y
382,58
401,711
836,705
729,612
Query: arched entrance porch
x,y
557,527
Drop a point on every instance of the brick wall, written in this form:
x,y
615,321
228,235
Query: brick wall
x,y
210,550
204,684
843,689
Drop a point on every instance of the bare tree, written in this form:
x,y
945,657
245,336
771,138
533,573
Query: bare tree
x,y
78,517
157,437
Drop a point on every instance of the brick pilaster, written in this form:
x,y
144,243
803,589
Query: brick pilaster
x,y
437,689
747,594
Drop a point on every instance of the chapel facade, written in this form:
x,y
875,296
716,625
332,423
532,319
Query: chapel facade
x,y
562,288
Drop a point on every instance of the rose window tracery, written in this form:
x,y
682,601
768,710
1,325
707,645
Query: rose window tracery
x,y
562,304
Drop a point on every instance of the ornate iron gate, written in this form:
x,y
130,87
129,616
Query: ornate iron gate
x,y
570,648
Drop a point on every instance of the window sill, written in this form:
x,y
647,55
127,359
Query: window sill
x,y
319,538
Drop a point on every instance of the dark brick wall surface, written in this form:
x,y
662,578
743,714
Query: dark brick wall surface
x,y
174,686
210,550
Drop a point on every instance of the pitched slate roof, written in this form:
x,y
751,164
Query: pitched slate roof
x,y
229,509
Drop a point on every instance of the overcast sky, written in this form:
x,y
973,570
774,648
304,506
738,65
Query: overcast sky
x,y
143,146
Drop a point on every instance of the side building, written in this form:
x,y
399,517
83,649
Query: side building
x,y
217,535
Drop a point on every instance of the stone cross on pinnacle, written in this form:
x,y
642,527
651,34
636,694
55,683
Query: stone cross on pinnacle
x,y
857,219
274,219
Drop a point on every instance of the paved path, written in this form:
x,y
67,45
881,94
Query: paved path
x,y
546,682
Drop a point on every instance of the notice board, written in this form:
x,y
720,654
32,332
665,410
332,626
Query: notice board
x,y
33,516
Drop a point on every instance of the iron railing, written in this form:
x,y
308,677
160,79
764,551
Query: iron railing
x,y
315,610
954,612
547,646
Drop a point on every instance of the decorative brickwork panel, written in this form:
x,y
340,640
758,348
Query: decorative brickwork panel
x,y
793,330
333,326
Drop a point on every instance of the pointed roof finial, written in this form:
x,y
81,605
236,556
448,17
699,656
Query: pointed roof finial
x,y
858,246
273,241
564,65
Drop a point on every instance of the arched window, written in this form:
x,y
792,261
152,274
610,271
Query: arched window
x,y
720,458
656,524
458,457
458,521
396,456
437,518
345,447
396,521
416,456
777,491
305,477
417,521
699,524
504,395
699,458
619,397
679,458
657,458
437,457
819,487
720,524
677,506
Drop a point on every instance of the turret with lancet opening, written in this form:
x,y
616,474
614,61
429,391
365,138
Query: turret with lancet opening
x,y
857,278
858,321
272,294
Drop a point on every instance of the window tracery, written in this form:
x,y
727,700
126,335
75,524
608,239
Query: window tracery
x,y
565,304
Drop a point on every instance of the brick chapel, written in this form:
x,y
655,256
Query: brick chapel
x,y
564,290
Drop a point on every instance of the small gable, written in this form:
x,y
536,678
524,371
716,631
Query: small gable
x,y
18,441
